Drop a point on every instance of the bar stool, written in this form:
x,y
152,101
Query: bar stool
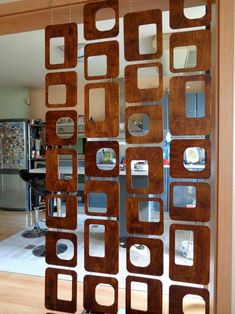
x,y
37,182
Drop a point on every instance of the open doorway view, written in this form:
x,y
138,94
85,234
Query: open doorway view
x,y
114,137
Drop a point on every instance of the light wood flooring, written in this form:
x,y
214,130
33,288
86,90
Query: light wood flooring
x,y
25,294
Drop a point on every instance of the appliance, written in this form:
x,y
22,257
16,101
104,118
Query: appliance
x,y
13,157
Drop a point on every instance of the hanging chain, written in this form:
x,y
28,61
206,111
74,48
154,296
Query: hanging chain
x,y
52,16
131,5
70,14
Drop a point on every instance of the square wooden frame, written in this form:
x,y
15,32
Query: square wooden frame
x,y
108,48
91,168
179,123
132,21
177,294
70,33
177,169
53,183
198,273
134,225
154,156
69,79
51,256
70,220
155,266
179,20
51,289
134,94
154,295
109,263
203,204
202,40
89,301
51,135
89,15
111,188
110,126
155,133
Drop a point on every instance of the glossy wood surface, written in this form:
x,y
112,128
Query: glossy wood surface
x,y
89,290
177,168
68,222
180,124
111,189
177,294
132,22
69,79
179,20
90,10
135,225
51,291
154,298
154,157
51,127
109,263
202,40
91,168
53,181
107,48
133,93
199,272
202,209
52,237
155,127
70,33
110,126
155,247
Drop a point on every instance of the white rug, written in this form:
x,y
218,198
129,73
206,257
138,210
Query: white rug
x,y
16,256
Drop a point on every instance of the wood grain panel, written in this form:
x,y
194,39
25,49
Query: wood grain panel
x,y
202,40
109,49
155,132
136,226
198,273
70,33
111,188
89,290
177,169
109,263
91,168
51,291
133,93
154,298
154,157
179,20
201,211
177,294
155,266
132,22
89,14
70,220
51,248
110,126
51,129
179,123
69,79
53,181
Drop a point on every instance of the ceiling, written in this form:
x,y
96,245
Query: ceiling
x,y
22,54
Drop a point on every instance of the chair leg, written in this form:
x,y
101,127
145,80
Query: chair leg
x,y
36,232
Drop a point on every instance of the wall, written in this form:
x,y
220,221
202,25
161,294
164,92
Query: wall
x,y
13,103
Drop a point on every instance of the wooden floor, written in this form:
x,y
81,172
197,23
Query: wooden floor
x,y
25,294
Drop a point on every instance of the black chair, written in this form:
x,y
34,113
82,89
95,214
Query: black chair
x,y
37,182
